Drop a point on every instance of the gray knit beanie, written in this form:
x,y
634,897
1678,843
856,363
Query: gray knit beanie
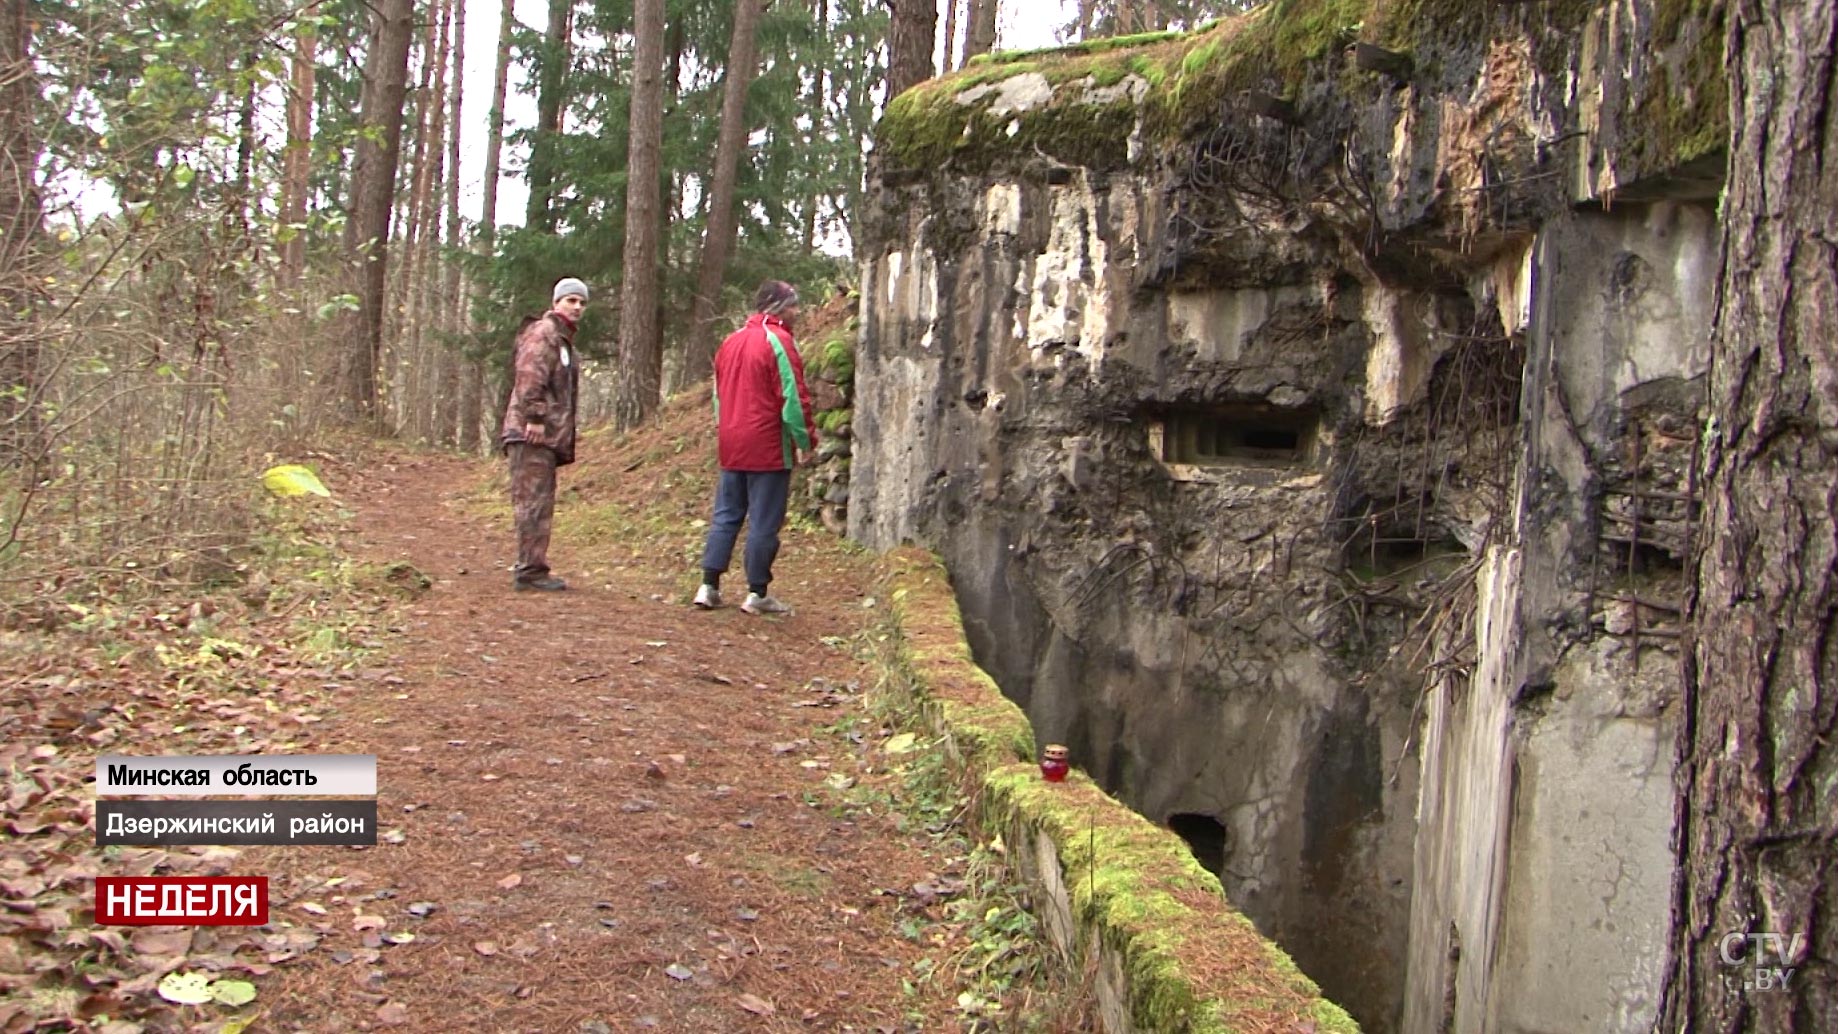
x,y
566,286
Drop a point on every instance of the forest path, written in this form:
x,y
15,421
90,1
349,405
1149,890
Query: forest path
x,y
615,804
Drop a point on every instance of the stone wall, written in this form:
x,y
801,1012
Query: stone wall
x,y
1304,442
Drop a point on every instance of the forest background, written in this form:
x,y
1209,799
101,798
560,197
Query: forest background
x,y
228,226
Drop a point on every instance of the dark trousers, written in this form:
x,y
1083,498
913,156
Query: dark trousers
x,y
759,498
533,504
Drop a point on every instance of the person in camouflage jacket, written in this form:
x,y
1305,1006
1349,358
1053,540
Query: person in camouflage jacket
x,y
538,429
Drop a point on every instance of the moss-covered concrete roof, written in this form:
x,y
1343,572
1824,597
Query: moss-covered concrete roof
x,y
1180,81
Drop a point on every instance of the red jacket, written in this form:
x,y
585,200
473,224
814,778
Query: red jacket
x,y
762,408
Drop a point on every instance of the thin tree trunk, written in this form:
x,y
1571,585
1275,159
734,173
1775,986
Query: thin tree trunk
x,y
910,42
245,154
373,191
552,78
1756,920
424,368
297,160
718,239
20,226
494,131
452,306
472,397
1087,8
399,330
640,343
981,33
815,106
950,35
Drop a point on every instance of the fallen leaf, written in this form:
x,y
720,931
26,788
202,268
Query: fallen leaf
x,y
395,1014
312,906
161,942
233,992
756,1005
422,909
678,971
901,744
485,948
366,922
186,988
510,882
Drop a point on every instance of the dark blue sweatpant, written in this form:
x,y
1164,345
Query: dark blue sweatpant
x,y
758,497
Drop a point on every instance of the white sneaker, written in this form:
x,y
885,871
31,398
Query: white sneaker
x,y
757,604
707,596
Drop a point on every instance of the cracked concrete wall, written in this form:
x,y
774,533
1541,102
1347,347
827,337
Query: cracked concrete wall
x,y
1543,869
1490,398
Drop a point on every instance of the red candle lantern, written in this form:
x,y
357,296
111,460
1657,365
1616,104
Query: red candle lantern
x,y
1053,764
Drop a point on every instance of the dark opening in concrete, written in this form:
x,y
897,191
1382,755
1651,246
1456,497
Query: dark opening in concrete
x,y
1205,838
1239,434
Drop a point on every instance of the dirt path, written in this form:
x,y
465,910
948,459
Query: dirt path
x,y
603,809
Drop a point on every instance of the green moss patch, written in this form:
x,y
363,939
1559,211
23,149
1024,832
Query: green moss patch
x,y
1193,963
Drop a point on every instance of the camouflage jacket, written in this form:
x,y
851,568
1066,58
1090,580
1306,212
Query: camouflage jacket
x,y
545,377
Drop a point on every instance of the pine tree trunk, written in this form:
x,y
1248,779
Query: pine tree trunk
x,y
552,79
452,304
401,357
20,226
423,288
297,160
950,34
641,355
815,107
373,192
472,396
1086,9
1757,763
494,129
910,42
980,34
242,200
718,239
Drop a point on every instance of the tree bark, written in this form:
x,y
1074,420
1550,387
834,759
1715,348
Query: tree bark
x,y
472,395
373,191
243,200
423,354
718,239
452,305
1087,8
1757,819
641,353
814,105
551,93
297,159
909,43
20,225
980,34
494,131
950,35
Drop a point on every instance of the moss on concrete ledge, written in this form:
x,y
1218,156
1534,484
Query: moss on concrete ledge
x,y
1137,896
1293,49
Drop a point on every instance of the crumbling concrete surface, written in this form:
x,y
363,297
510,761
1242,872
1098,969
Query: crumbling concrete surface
x,y
1303,410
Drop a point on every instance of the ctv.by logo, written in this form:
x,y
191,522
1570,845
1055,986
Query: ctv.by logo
x,y
1759,961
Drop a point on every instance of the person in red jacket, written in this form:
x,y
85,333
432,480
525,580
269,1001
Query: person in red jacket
x,y
764,426
538,430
